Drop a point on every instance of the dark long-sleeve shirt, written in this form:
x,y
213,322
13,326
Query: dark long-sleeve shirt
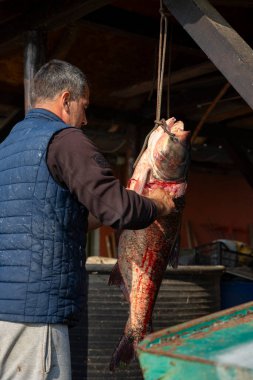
x,y
75,162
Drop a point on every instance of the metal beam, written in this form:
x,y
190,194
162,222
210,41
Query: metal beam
x,y
221,43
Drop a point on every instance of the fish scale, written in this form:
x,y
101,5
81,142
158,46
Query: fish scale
x,y
143,255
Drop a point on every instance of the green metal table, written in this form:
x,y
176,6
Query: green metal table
x,y
218,346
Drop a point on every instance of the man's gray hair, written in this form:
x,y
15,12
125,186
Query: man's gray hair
x,y
56,76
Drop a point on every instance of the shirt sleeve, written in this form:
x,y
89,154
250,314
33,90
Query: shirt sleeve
x,y
75,163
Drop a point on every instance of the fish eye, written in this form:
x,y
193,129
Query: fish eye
x,y
174,138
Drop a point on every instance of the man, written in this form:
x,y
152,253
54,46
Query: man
x,y
52,181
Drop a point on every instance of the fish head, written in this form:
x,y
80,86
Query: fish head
x,y
169,147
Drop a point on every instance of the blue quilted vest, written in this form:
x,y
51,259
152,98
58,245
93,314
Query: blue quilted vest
x,y
42,230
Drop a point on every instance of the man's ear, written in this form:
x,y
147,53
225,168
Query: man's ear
x,y
65,98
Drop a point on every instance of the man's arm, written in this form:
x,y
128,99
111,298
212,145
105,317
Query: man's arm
x,y
75,163
93,223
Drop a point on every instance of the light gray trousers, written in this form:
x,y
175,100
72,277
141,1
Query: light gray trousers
x,y
34,351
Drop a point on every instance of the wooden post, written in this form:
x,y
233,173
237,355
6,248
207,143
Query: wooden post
x,y
34,57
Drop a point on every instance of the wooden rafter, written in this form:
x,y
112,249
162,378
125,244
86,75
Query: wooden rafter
x,y
8,117
66,42
48,15
240,158
229,110
233,3
176,77
209,110
10,114
222,44
243,122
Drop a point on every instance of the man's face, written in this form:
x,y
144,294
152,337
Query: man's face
x,y
77,110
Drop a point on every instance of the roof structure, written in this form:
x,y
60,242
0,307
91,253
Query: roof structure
x,y
207,73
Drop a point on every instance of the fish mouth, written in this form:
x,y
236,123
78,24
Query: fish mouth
x,y
177,128
174,126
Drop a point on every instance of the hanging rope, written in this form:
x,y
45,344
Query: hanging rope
x,y
169,73
160,75
161,59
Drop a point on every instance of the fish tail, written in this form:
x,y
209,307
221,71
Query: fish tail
x,y
123,353
117,279
115,276
150,328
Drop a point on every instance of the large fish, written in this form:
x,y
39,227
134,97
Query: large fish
x,y
143,255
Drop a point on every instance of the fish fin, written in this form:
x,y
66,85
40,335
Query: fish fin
x,y
123,353
174,255
115,276
117,279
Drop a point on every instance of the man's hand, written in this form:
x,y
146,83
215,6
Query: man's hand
x,y
163,201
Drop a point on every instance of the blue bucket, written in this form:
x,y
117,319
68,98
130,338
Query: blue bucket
x,y
235,292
